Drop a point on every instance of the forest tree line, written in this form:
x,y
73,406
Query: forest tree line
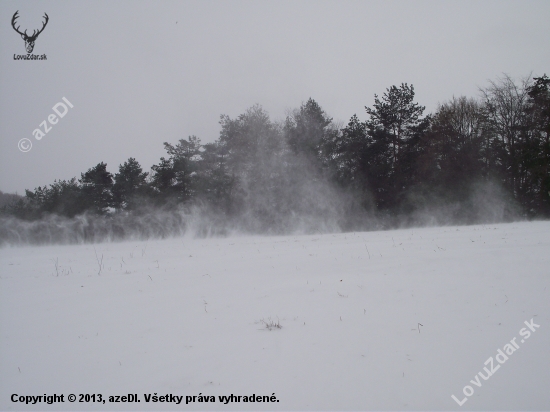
x,y
397,162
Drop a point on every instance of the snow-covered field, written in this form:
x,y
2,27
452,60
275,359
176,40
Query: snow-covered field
x,y
379,320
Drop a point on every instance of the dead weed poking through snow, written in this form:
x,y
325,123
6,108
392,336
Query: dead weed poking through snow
x,y
270,324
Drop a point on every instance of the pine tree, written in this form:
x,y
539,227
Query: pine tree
x,y
97,183
129,184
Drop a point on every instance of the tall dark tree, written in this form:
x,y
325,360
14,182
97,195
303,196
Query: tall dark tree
x,y
173,179
505,103
395,127
129,185
249,140
96,186
350,153
213,183
184,157
398,116
536,147
453,156
163,177
66,198
308,131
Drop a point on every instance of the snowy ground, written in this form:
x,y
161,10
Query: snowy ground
x,y
380,320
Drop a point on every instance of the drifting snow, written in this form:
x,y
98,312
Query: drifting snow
x,y
380,320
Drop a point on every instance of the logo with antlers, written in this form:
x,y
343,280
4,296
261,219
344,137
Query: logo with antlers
x,y
29,40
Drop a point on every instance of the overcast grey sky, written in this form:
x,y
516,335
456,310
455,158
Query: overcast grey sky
x,y
140,73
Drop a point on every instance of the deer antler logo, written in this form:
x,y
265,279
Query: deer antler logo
x,y
29,40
